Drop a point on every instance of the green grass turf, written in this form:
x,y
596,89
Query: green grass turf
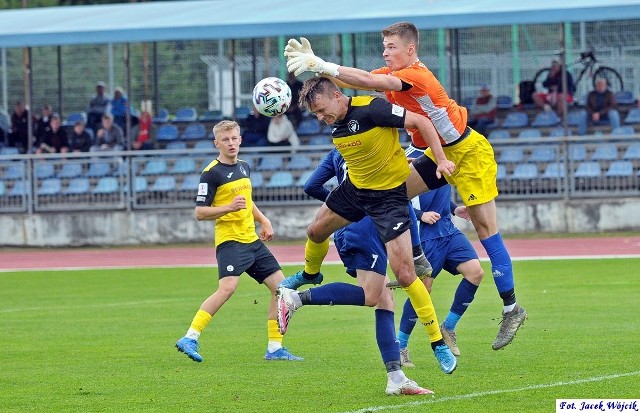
x,y
103,341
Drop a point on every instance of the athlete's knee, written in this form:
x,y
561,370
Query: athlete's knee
x,y
315,234
474,275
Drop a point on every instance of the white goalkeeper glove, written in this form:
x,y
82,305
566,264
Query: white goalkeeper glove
x,y
299,63
300,59
293,45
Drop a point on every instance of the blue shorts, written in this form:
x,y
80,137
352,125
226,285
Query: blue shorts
x,y
448,252
361,248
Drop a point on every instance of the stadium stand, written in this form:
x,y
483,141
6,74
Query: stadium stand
x,y
50,186
632,152
499,134
183,166
605,152
529,133
625,97
543,154
270,163
44,170
162,116
281,179
77,186
106,185
257,179
194,131
633,116
511,154
623,131
299,162
503,102
515,120
99,169
70,170
525,171
545,119
577,152
186,114
176,145
167,133
164,183
154,167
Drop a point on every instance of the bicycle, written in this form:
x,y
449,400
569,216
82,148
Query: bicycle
x,y
589,63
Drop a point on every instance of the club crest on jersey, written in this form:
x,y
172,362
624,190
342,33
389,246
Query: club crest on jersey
x,y
202,189
353,126
243,171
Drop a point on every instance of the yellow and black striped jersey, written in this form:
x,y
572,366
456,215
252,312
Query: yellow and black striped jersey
x,y
367,138
219,184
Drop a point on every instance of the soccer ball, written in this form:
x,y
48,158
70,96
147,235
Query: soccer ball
x,y
272,96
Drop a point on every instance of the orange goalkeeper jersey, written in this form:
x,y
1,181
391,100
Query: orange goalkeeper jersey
x,y
428,97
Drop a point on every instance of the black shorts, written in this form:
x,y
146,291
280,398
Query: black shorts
x,y
255,259
387,208
426,168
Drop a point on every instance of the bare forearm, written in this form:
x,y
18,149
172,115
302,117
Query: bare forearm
x,y
211,213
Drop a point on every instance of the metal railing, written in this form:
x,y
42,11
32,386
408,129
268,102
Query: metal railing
x,y
539,168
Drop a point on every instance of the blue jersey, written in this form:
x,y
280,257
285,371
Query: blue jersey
x,y
444,245
358,244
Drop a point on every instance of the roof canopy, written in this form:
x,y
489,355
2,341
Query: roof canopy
x,y
233,19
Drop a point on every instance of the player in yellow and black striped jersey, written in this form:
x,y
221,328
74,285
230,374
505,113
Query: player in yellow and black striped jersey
x,y
224,196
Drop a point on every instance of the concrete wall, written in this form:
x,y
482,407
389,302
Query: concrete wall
x,y
178,226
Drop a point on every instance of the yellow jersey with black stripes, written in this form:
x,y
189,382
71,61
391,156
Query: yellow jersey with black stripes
x,y
219,184
368,140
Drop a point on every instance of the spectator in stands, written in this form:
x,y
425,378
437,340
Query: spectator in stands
x,y
110,137
552,99
256,127
483,111
294,113
54,139
282,133
42,124
79,138
600,108
97,107
143,138
19,134
5,125
118,107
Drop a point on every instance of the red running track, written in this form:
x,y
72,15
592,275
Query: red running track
x,y
61,258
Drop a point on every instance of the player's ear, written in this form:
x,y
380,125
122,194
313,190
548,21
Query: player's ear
x,y
240,141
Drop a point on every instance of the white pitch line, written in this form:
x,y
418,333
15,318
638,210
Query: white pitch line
x,y
491,393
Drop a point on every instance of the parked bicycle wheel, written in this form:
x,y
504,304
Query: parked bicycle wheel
x,y
540,77
614,80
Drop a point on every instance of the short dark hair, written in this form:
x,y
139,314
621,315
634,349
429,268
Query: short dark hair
x,y
407,32
314,87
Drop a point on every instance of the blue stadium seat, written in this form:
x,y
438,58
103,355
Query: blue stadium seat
x,y
543,154
530,133
183,166
577,152
299,162
270,163
573,117
154,167
206,145
281,179
525,171
554,170
309,126
623,131
620,168
502,172
499,134
162,116
560,132
106,185
9,150
44,170
545,119
72,118
186,114
633,116
19,188
515,120
468,101
14,170
190,183
70,170
242,112
625,97
77,186
320,140
605,152
304,177
167,133
504,102
511,154
176,145
194,131
164,183
140,184
3,189
98,169
50,186
588,169
257,179
632,152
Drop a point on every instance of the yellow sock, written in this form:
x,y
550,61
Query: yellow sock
x,y
314,254
201,320
421,301
273,332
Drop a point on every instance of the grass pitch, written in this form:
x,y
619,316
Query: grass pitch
x,y
103,341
